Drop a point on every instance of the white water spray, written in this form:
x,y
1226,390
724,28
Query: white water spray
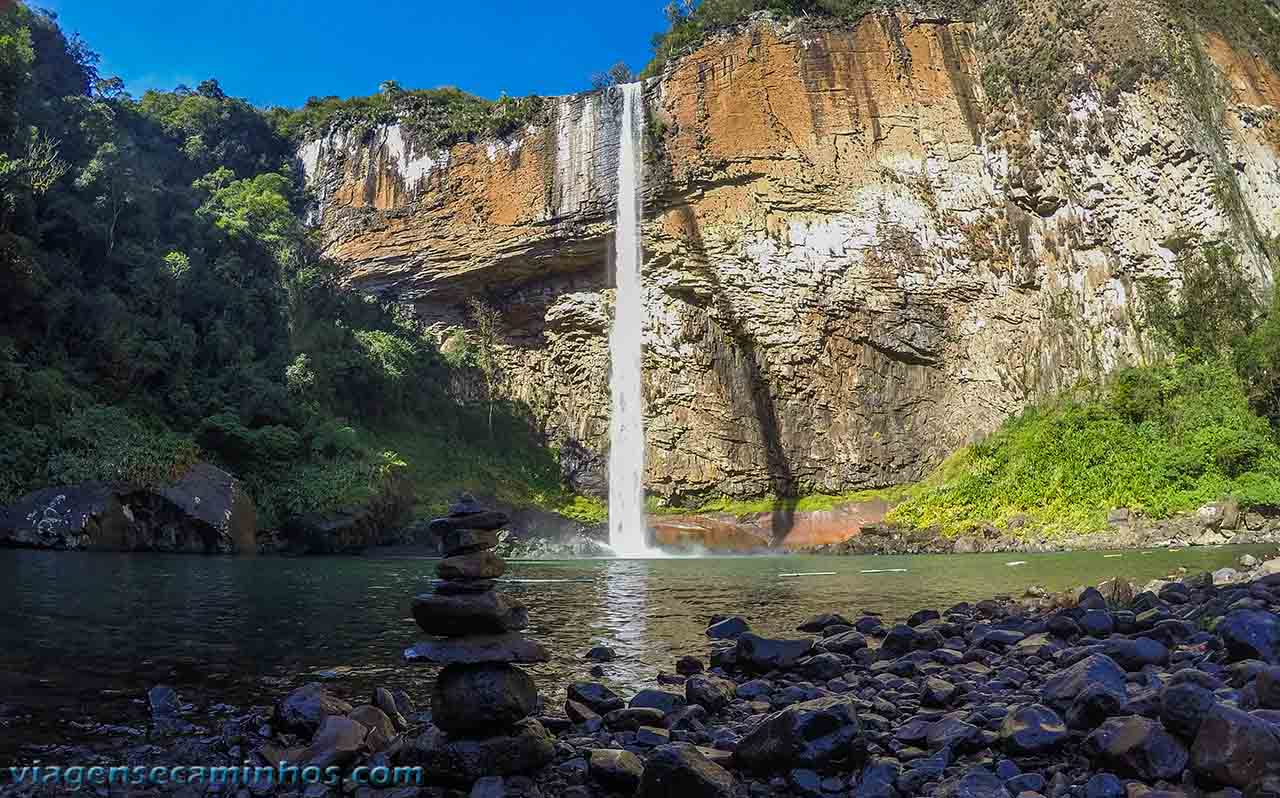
x,y
627,530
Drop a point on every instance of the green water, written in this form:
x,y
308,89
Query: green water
x,y
86,634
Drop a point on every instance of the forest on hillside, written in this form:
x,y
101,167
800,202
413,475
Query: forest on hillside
x,y
161,302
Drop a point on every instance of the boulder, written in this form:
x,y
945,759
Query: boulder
x,y
461,761
338,742
595,696
766,654
476,565
453,614
378,722
689,665
850,643
304,709
954,734
1251,634
1137,747
728,628
1031,730
1183,707
1063,688
680,770
466,541
662,700
217,507
1135,654
601,654
85,516
821,621
813,734
384,700
620,771
1235,748
348,531
508,647
482,698
709,692
632,718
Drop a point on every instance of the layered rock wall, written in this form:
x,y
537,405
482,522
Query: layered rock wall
x,y
852,266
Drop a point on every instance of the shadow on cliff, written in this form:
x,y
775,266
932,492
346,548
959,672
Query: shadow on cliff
x,y
743,371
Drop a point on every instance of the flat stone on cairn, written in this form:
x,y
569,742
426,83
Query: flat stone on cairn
x,y
479,694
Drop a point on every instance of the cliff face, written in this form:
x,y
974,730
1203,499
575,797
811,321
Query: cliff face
x,y
853,263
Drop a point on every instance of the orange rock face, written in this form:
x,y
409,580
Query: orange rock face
x,y
781,528
853,265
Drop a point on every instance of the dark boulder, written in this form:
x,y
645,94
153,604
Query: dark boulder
x,y
954,734
1251,634
461,761
709,692
849,643
596,696
475,649
476,565
728,628
615,770
813,734
680,770
1183,708
974,784
821,621
1137,747
1136,654
468,613
304,709
85,516
662,700
602,654
766,654
482,698
1235,748
1033,729
1061,690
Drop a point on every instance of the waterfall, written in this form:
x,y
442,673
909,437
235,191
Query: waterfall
x,y
627,532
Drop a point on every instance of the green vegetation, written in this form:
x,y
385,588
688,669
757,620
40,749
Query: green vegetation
x,y
1161,439
160,302
431,117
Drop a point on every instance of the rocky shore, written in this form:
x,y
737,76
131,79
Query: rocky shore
x,y
1111,692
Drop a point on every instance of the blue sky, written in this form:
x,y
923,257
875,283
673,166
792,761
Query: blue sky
x,y
279,52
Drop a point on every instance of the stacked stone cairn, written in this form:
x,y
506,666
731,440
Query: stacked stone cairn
x,y
481,703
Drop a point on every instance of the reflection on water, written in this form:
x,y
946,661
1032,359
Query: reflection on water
x,y
87,634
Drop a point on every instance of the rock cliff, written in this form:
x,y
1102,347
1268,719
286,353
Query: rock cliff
x,y
862,249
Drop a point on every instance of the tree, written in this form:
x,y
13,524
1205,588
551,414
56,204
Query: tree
x,y
115,178
486,320
616,75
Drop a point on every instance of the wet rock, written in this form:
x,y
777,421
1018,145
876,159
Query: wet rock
x,y
729,628
1034,729
581,713
469,613
663,700
602,654
615,770
303,710
709,692
466,541
1137,747
689,665
484,521
680,770
766,654
595,696
812,734
1235,748
1094,705
824,667
476,565
482,698
476,649
1251,634
652,736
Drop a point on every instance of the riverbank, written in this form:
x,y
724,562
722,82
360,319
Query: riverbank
x,y
1047,692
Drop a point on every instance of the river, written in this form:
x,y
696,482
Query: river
x,y
82,636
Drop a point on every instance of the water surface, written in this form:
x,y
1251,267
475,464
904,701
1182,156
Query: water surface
x,y
83,635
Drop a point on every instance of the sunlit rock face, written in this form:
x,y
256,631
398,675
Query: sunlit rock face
x,y
851,268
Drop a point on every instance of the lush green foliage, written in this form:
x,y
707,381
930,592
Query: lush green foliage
x,y
1161,438
160,301
431,117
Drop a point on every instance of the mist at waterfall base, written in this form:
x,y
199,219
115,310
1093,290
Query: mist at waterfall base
x,y
627,528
